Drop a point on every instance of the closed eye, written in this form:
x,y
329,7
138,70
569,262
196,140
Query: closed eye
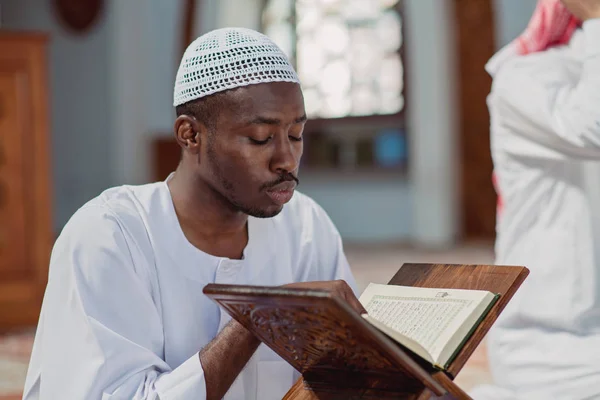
x,y
296,138
260,142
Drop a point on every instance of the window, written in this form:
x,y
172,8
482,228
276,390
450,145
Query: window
x,y
348,56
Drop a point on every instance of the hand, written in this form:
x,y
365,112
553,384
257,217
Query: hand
x,y
583,9
339,289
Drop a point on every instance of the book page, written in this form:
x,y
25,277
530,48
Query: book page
x,y
430,317
407,342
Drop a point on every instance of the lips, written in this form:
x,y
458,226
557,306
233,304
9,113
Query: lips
x,y
282,193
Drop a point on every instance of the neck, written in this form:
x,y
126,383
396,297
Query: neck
x,y
203,212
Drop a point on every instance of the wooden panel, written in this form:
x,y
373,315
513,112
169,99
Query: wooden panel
x,y
302,391
25,205
16,291
497,279
475,45
166,155
13,99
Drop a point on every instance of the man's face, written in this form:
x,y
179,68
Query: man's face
x,y
252,157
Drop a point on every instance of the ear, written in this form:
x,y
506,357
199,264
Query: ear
x,y
188,132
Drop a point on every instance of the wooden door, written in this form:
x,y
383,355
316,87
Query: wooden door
x,y
25,231
475,46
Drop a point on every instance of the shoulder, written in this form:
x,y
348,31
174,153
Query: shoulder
x,y
110,224
553,68
105,238
120,206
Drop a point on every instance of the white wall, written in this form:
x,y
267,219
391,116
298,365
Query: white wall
x,y
143,50
422,208
511,18
432,107
365,210
124,71
131,61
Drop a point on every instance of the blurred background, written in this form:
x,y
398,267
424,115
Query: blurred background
x,y
396,150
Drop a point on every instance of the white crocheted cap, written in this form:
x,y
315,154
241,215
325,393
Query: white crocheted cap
x,y
228,58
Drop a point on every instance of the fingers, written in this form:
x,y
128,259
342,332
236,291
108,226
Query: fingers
x,y
348,295
356,304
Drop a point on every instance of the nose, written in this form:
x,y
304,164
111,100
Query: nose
x,y
286,155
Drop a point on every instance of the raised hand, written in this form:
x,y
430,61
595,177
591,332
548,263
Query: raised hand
x,y
583,9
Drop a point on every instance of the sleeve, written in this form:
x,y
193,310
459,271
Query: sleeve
x,y
102,335
545,109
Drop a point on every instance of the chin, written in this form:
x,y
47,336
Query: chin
x,y
267,212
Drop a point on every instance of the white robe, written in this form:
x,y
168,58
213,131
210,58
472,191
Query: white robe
x,y
124,316
545,133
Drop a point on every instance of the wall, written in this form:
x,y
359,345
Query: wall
x,y
432,121
512,17
78,88
422,208
112,89
130,61
141,48
365,210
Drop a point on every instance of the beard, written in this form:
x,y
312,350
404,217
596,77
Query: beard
x,y
227,190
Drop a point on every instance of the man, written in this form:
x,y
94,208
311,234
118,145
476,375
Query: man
x,y
124,316
545,127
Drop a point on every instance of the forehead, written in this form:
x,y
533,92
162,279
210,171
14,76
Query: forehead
x,y
273,99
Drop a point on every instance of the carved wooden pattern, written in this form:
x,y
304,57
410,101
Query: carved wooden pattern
x,y
312,338
326,341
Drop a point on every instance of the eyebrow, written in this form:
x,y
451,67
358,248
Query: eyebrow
x,y
274,121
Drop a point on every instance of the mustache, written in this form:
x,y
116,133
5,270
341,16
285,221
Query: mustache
x,y
282,178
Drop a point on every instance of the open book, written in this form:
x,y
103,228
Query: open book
x,y
432,323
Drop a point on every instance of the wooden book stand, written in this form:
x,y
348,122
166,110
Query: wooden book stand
x,y
341,356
